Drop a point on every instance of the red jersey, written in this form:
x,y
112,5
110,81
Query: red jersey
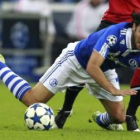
x,y
121,10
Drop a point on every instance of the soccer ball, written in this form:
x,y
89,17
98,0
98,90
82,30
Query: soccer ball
x,y
39,116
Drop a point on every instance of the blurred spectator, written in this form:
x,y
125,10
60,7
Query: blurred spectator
x,y
86,18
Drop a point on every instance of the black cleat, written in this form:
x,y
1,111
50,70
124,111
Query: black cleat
x,y
61,118
131,123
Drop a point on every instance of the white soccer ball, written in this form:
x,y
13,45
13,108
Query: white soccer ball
x,y
39,116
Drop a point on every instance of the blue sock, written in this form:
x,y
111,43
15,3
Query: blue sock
x,y
15,84
103,120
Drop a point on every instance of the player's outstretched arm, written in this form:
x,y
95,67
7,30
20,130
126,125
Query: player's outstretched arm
x,y
93,68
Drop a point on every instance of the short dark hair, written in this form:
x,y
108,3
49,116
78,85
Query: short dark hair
x,y
136,18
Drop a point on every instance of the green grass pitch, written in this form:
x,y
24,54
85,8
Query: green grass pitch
x,y
77,127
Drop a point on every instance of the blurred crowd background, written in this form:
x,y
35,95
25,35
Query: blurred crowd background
x,y
34,32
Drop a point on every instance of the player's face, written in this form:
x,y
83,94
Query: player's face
x,y
135,37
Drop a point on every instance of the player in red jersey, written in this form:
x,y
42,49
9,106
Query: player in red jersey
x,y
119,11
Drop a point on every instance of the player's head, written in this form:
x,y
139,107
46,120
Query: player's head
x,y
136,31
136,18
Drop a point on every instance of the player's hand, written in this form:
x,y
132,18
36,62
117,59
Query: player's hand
x,y
125,92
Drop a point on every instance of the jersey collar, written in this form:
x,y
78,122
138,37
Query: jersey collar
x,y
128,38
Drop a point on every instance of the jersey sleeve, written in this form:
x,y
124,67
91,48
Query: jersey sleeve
x,y
107,42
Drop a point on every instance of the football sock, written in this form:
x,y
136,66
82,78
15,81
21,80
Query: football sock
x,y
133,104
103,120
15,84
70,96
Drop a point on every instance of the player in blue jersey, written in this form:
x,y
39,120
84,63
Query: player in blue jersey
x,y
118,11
90,61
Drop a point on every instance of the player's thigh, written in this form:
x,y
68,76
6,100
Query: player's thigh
x,y
115,109
39,93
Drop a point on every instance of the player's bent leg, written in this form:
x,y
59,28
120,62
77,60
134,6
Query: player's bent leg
x,y
39,93
113,104
131,120
20,88
70,96
131,123
116,110
114,116
98,115
64,113
17,85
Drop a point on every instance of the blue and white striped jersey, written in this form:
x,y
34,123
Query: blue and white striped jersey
x,y
113,43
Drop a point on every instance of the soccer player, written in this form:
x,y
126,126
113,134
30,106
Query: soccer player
x,y
90,61
119,11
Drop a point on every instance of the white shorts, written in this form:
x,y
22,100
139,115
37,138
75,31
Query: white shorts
x,y
67,72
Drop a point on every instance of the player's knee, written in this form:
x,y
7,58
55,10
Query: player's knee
x,y
119,118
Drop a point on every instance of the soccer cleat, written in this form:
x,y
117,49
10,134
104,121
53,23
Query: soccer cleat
x,y
61,118
131,123
2,59
114,127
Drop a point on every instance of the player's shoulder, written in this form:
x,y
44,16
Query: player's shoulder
x,y
124,24
117,27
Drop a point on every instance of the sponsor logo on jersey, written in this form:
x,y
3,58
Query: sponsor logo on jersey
x,y
113,57
112,39
53,82
115,54
133,63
